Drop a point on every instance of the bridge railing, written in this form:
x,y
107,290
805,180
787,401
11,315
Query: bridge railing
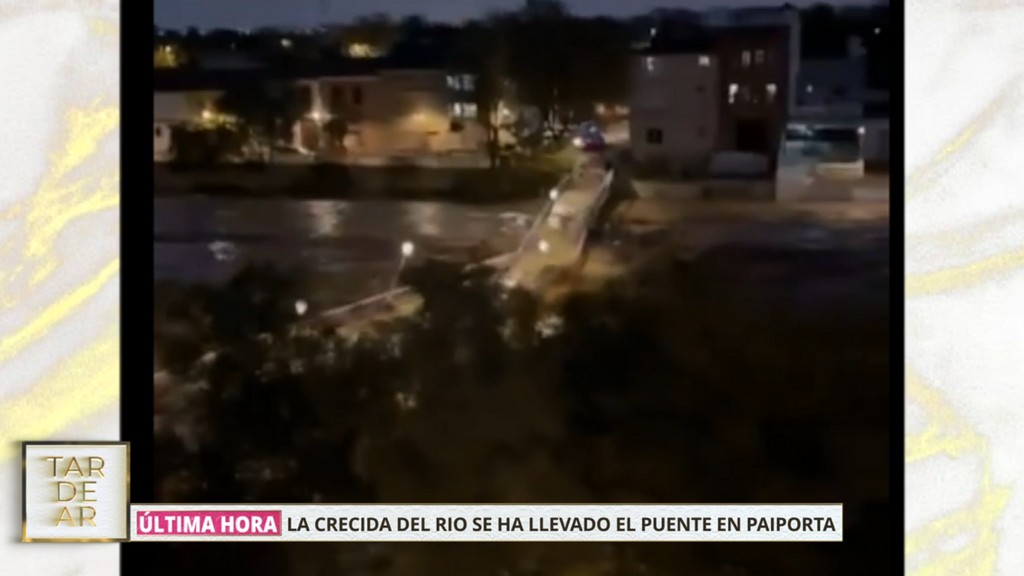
x,y
590,218
373,304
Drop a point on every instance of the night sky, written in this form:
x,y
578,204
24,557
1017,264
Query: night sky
x,y
253,13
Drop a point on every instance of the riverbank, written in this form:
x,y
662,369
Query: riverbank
x,y
464,185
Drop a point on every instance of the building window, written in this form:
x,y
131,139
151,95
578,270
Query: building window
x,y
456,126
654,136
703,60
759,57
463,110
745,58
357,95
771,90
337,98
649,63
461,82
158,131
733,90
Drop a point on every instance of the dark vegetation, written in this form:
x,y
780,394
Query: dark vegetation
x,y
662,388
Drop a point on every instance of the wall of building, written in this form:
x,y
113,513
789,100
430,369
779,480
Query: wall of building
x,y
876,140
755,87
172,109
393,113
674,96
400,113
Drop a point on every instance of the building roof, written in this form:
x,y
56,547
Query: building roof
x,y
689,38
203,79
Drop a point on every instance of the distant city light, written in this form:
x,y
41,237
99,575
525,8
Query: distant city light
x,y
362,50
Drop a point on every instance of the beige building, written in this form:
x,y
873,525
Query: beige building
x,y
674,109
386,111
397,112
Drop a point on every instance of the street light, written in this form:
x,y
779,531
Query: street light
x,y
553,195
406,250
543,246
301,307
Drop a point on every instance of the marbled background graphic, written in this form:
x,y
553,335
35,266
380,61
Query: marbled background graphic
x,y
59,252
965,287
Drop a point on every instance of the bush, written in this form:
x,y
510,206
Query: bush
x,y
202,147
665,387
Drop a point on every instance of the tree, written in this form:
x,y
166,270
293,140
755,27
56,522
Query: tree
x,y
669,385
336,129
483,51
168,56
369,36
266,110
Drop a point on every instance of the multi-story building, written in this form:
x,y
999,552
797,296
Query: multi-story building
x,y
390,106
674,111
726,84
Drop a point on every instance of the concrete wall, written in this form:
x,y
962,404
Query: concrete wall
x,y
706,189
876,140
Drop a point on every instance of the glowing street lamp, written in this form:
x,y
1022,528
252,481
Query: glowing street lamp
x,y
543,246
301,307
406,251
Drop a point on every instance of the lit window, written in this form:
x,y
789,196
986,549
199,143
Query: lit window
x,y
468,82
771,90
463,110
759,57
649,63
745,58
733,90
704,60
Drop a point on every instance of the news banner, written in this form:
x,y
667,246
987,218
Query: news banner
x,y
78,492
